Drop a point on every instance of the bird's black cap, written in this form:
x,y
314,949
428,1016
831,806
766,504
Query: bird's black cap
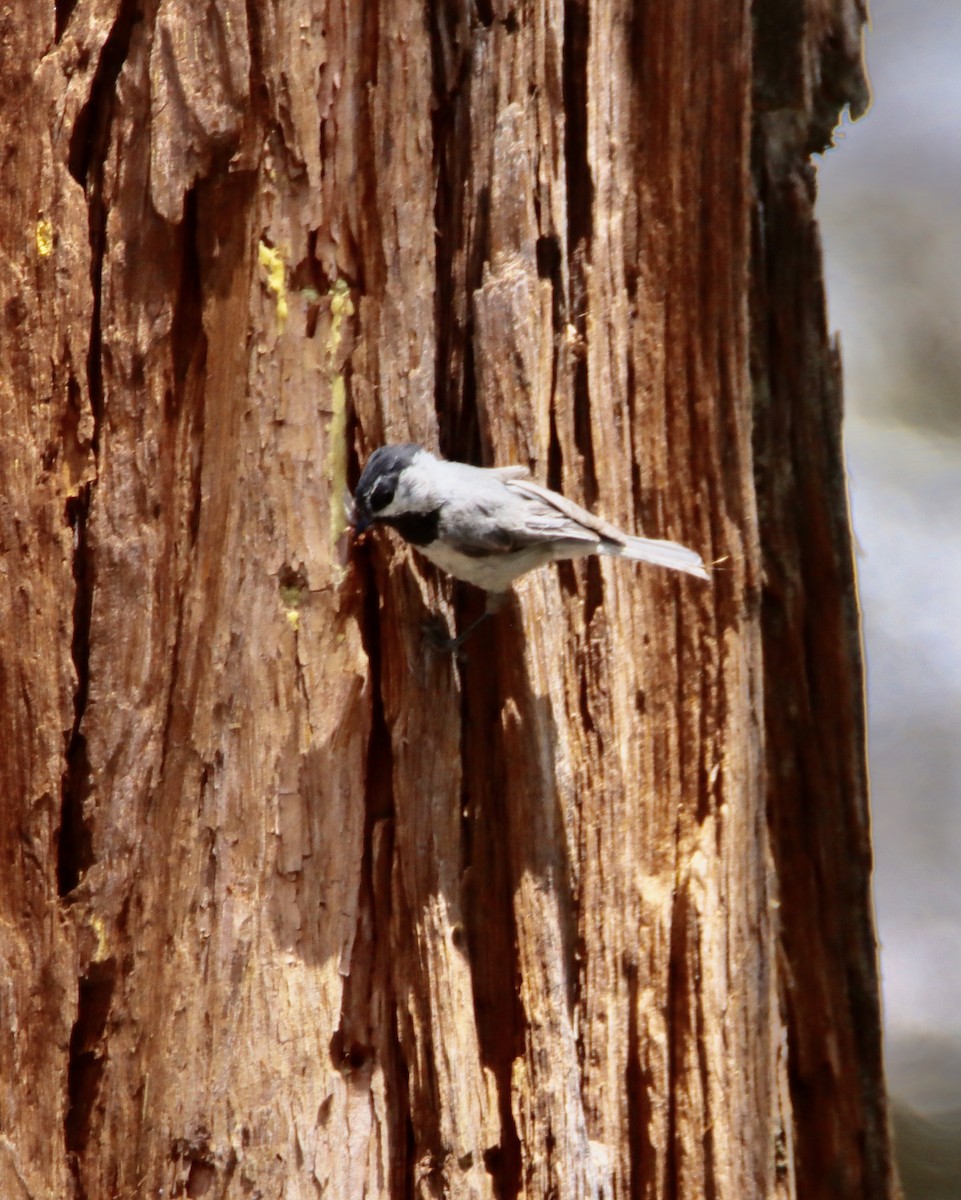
x,y
378,481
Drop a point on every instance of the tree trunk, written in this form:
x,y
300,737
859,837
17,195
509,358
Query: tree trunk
x,y
295,906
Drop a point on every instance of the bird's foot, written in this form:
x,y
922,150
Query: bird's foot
x,y
435,635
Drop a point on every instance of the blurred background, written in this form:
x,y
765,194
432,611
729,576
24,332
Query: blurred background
x,y
890,212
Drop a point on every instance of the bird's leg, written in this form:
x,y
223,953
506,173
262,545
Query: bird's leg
x,y
495,601
452,645
444,645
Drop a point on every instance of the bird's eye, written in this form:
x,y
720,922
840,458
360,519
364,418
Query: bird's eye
x,y
381,494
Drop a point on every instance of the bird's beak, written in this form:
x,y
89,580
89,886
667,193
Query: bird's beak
x,y
362,522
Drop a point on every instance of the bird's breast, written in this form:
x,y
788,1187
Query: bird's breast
x,y
494,572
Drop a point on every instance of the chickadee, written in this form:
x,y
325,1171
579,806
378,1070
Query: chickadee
x,y
488,526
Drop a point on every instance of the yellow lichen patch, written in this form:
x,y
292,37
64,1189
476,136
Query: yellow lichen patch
x,y
341,308
102,951
273,265
44,237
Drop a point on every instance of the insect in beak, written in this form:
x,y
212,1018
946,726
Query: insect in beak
x,y
357,522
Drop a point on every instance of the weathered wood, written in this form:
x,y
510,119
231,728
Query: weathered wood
x,y
814,701
296,906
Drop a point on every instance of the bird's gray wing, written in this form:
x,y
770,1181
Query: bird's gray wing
x,y
483,526
575,522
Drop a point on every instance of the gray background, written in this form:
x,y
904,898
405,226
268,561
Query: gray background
x,y
890,211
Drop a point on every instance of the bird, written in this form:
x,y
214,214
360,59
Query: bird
x,y
488,526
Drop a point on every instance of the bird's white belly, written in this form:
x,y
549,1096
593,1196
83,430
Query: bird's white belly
x,y
494,572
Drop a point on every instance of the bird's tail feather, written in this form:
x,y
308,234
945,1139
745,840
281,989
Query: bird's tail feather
x,y
661,553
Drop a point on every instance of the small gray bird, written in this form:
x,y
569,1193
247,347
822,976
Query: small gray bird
x,y
488,526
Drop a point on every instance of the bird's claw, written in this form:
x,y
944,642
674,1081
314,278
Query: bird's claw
x,y
437,638
448,645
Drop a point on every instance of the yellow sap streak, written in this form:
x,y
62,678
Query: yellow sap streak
x,y
341,308
273,264
44,236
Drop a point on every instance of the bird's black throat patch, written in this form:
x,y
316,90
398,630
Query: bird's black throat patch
x,y
420,529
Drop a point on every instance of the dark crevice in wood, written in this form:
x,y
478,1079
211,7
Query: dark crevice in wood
x,y
633,417
187,398
188,348
347,1053
187,324
676,1032
699,1042
584,701
580,211
89,144
638,1086
366,228
200,1165
465,439
74,840
356,1039
488,906
91,131
593,589
450,50
309,279
259,92
380,768
583,438
409,1189
555,455
450,120
87,1060
351,1045
550,266
63,12
580,179
88,149
779,38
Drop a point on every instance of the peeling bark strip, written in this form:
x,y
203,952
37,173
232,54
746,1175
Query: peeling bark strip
x,y
293,906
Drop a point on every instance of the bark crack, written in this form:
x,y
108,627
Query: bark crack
x,y
638,1085
74,839
369,984
87,1060
89,143
580,216
64,11
489,914
675,1023
454,391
